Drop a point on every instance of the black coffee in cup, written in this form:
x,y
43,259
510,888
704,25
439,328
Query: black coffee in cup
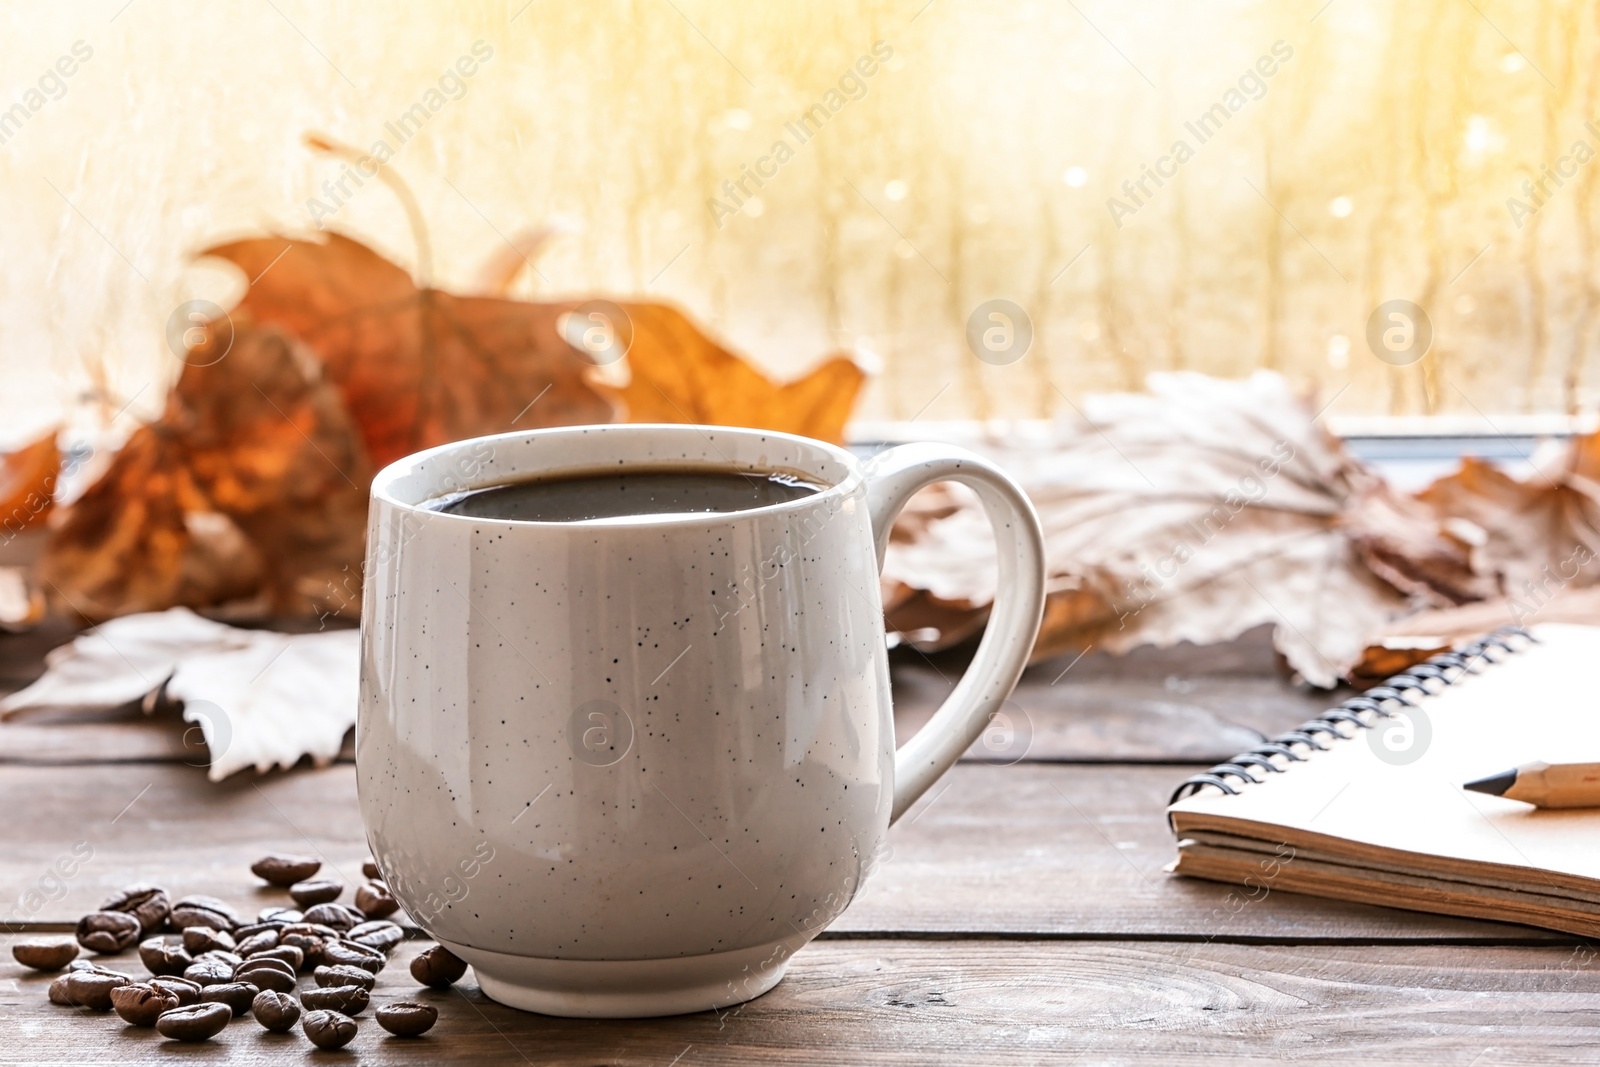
x,y
630,492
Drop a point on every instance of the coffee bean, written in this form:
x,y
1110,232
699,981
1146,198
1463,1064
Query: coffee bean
x,y
368,959
287,953
308,927
369,869
329,1029
232,959
309,946
196,1022
258,942
236,995
278,915
350,999
91,965
140,1003
438,967
344,974
198,939
45,953
186,991
285,870
277,976
375,901
147,903
163,957
209,972
339,917
408,1019
275,1010
61,990
316,891
273,980
380,934
204,911
108,931
265,963
244,933
92,989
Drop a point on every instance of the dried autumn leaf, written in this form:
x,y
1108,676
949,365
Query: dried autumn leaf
x,y
1411,546
251,485
415,367
28,483
661,368
145,537
1532,534
259,698
1192,513
678,374
1533,542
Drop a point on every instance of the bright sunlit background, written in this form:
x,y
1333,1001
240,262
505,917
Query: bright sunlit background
x,y
1383,157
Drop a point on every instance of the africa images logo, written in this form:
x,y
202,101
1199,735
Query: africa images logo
x,y
1252,85
852,85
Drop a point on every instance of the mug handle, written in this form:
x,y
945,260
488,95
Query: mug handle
x,y
892,476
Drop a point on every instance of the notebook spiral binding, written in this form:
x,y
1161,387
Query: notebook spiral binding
x,y
1375,702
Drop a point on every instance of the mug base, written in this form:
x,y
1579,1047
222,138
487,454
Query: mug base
x,y
629,989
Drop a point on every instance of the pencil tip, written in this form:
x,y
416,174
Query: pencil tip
x,y
1495,785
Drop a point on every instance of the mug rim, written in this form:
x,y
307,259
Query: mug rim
x,y
383,481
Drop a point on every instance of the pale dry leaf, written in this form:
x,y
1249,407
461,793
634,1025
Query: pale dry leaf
x,y
281,697
122,660
1435,558
260,698
1193,512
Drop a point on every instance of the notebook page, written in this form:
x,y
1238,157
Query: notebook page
x,y
1398,786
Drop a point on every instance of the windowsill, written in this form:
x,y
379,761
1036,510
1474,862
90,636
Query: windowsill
x,y
1410,451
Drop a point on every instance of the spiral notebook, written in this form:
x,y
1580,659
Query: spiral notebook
x,y
1365,802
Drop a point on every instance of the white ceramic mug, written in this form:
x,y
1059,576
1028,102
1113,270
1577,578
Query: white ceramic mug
x,y
627,768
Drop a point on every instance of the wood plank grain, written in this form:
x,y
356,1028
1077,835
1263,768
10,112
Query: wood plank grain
x,y
1161,719
1033,849
1183,704
1200,721
974,1002
1197,703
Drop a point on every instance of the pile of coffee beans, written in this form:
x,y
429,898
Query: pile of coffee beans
x,y
208,965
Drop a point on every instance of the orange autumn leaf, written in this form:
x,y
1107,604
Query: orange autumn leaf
x,y
28,483
668,370
416,367
250,490
251,486
678,374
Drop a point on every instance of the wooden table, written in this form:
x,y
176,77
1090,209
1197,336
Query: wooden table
x,y
1024,915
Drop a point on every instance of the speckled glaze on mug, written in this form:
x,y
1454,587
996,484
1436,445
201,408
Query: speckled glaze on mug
x,y
628,767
